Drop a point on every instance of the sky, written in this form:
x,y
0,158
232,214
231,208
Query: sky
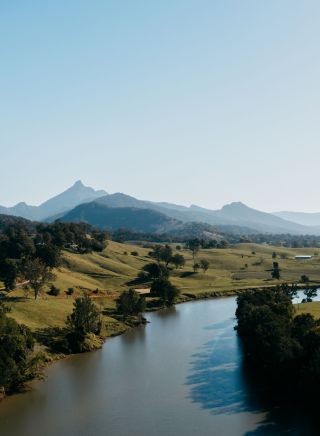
x,y
188,101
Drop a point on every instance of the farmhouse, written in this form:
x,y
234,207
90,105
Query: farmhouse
x,y
303,257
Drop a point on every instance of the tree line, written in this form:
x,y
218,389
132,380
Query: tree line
x,y
281,348
29,253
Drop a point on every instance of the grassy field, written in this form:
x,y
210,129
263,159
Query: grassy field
x,y
242,266
313,308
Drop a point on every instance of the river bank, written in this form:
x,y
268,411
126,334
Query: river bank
x,y
180,374
120,326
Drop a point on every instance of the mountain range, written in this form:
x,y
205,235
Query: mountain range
x,y
76,194
97,207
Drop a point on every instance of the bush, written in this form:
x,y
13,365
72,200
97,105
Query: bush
x,y
154,270
178,260
70,291
164,289
134,253
130,303
54,291
16,345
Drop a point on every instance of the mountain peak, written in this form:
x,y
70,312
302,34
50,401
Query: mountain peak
x,y
78,184
235,205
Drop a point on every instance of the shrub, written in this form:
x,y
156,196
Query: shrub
x,y
70,291
130,303
167,292
54,291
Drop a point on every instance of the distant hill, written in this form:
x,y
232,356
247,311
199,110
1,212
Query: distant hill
x,y
137,219
241,214
75,195
233,218
234,214
303,218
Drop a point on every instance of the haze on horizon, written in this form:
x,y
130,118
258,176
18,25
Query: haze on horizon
x,y
202,102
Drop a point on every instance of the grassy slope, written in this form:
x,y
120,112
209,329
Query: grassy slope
x,y
112,269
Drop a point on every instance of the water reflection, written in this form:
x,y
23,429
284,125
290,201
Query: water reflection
x,y
216,378
136,334
167,313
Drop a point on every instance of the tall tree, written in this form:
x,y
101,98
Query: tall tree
x,y
194,246
275,272
38,274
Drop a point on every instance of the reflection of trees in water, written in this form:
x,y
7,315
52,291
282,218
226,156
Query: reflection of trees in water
x,y
221,384
167,313
131,336
217,378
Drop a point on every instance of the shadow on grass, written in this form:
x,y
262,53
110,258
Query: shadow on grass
x,y
185,274
7,299
138,281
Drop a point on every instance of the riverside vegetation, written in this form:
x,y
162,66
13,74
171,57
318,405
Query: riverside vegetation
x,y
66,287
280,346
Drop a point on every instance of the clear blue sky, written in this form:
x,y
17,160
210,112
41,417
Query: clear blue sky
x,y
188,101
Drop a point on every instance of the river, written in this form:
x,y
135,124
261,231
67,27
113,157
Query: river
x,y
181,374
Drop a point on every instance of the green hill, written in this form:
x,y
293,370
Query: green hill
x,y
106,274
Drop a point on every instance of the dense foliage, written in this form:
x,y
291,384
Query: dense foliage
x,y
29,252
165,290
16,346
130,303
279,346
84,320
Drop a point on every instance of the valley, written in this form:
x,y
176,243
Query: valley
x,y
105,275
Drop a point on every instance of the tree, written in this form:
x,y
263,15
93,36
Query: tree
x,y
275,272
196,266
204,265
178,260
304,279
84,324
37,274
274,255
49,254
130,303
162,253
9,273
194,246
167,292
85,317
155,270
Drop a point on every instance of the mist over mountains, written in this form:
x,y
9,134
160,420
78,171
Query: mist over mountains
x,y
113,211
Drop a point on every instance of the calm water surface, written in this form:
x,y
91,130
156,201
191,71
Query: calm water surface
x,y
179,375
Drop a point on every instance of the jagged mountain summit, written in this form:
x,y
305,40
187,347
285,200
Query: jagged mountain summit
x,y
77,194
